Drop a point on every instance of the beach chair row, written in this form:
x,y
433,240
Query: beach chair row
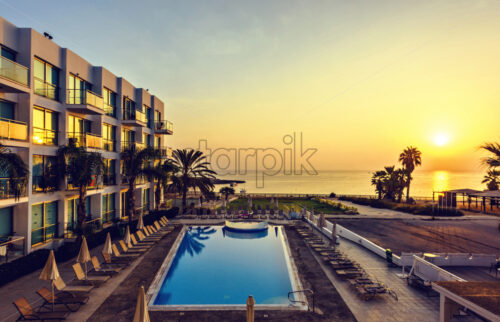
x,y
69,298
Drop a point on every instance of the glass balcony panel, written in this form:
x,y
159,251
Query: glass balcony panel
x,y
44,136
80,96
13,71
13,130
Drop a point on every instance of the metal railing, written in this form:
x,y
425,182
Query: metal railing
x,y
108,216
6,189
109,145
80,96
44,136
311,292
165,152
164,126
109,179
12,247
13,71
87,140
13,130
95,184
44,183
129,144
45,89
109,110
43,234
134,115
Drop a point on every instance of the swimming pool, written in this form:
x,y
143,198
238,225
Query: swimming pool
x,y
211,266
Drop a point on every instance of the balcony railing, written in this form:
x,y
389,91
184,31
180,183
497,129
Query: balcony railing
x,y
6,189
80,96
43,234
108,216
165,152
12,247
109,145
109,110
44,136
46,89
128,144
134,115
86,140
13,130
45,183
13,71
95,184
164,126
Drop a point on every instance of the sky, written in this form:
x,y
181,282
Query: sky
x,y
359,80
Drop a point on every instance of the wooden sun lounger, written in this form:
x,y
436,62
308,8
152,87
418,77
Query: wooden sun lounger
x,y
140,243
106,270
71,303
117,254
347,273
115,261
133,249
92,280
71,289
27,313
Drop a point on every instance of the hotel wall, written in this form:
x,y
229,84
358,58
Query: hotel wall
x,y
28,44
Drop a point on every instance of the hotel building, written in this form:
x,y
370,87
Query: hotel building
x,y
49,95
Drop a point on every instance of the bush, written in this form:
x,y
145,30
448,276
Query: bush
x,y
332,195
415,209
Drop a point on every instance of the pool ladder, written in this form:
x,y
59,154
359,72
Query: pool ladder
x,y
311,292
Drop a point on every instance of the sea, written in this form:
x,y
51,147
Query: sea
x,y
353,182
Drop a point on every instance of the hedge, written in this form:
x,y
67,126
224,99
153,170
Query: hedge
x,y
415,209
36,260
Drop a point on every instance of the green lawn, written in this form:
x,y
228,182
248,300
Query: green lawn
x,y
293,203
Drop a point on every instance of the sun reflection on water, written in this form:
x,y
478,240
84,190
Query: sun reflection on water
x,y
440,180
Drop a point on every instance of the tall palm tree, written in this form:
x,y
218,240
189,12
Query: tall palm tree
x,y
493,160
492,179
378,180
162,172
226,191
15,170
82,169
134,165
193,173
410,158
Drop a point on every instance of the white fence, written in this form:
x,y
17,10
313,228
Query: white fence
x,y
430,272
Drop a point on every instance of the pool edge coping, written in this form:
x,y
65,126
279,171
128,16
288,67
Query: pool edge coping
x,y
159,279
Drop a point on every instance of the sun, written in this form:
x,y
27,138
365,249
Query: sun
x,y
441,139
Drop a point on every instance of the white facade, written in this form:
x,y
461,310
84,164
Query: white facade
x,y
70,95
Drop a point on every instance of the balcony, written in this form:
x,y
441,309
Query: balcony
x,y
97,183
86,140
134,118
164,127
109,110
109,145
109,179
13,130
84,102
44,136
16,76
165,152
6,189
46,89
44,183
128,144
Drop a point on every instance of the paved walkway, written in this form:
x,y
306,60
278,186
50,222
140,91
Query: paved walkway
x,y
370,212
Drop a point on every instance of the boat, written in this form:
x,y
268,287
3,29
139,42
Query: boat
x,y
246,226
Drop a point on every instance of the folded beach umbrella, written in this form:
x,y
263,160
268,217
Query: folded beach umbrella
x,y
107,245
250,309
140,223
126,238
84,254
50,273
141,309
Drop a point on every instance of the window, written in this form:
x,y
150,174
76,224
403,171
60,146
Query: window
x,y
7,53
6,222
109,178
149,115
43,173
109,99
46,79
128,109
157,116
128,138
109,137
7,110
108,208
43,222
45,125
77,88
72,214
123,204
157,142
145,200
146,139
77,127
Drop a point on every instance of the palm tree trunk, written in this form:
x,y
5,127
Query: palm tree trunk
x,y
131,200
408,189
80,211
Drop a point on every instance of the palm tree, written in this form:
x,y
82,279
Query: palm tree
x,y
15,170
378,180
410,158
81,168
492,179
227,191
193,173
492,161
135,165
162,173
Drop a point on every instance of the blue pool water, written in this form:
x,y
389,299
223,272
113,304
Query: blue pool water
x,y
214,266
